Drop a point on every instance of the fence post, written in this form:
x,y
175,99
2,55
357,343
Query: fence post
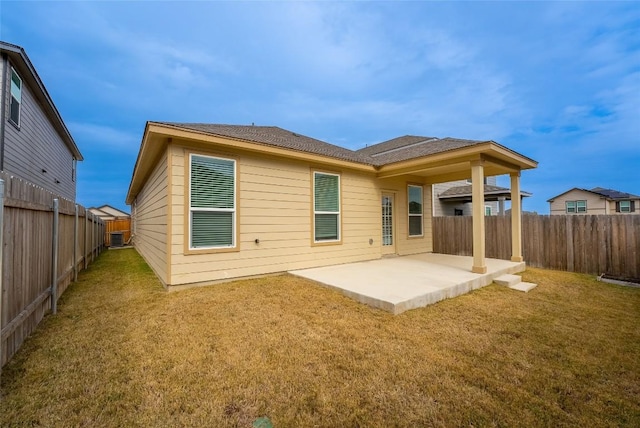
x,y
1,263
54,262
93,238
75,246
86,238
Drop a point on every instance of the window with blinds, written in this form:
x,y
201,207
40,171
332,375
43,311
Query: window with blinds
x,y
212,202
415,210
326,207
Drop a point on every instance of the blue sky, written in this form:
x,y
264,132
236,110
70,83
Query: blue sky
x,y
556,81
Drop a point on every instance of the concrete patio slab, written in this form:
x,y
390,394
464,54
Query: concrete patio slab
x,y
398,284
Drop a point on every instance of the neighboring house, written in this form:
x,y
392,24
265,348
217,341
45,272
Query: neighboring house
x,y
35,144
595,201
450,198
214,202
454,198
107,212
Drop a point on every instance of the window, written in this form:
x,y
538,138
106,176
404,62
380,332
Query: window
x,y
625,206
581,206
326,207
415,210
212,202
487,210
16,98
576,207
74,165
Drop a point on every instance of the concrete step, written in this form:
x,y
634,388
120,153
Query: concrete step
x,y
507,280
524,286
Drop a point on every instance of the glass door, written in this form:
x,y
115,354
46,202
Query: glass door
x,y
388,238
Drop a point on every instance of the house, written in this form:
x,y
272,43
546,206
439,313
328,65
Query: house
x,y
215,202
595,201
35,144
454,198
107,212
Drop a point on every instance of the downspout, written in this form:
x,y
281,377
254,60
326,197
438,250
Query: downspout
x,y
3,108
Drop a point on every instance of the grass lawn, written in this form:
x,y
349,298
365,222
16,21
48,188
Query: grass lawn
x,y
123,352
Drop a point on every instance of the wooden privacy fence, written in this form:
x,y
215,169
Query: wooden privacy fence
x,y
120,225
592,244
45,237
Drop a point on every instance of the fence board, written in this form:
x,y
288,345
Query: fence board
x,y
117,225
27,257
593,244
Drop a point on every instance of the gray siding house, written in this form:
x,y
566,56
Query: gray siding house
x,y
35,144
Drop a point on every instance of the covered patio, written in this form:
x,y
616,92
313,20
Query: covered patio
x,y
397,284
466,161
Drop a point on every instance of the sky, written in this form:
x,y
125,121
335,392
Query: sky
x,y
558,82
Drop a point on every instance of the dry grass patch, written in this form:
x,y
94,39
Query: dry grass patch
x,y
123,352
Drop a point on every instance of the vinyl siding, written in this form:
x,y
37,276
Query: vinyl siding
x,y
274,206
404,244
149,216
36,146
611,207
595,204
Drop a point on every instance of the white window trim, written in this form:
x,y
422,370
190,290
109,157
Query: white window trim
x,y
576,208
74,169
339,212
490,210
415,215
627,208
233,210
567,208
13,70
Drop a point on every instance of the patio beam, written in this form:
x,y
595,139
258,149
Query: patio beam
x,y
477,203
516,218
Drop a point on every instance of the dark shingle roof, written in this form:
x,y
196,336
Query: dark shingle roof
x,y
613,194
393,144
395,150
489,189
429,147
274,136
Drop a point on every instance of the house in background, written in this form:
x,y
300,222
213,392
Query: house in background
x,y
107,212
35,144
215,202
595,201
454,198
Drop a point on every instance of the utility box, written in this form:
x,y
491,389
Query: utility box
x,y
117,239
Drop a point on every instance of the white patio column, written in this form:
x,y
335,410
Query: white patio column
x,y
516,219
501,200
477,203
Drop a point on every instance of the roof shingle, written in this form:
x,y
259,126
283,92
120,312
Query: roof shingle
x,y
613,194
395,150
275,136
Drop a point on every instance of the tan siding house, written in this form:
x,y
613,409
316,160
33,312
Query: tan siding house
x,y
596,201
216,202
